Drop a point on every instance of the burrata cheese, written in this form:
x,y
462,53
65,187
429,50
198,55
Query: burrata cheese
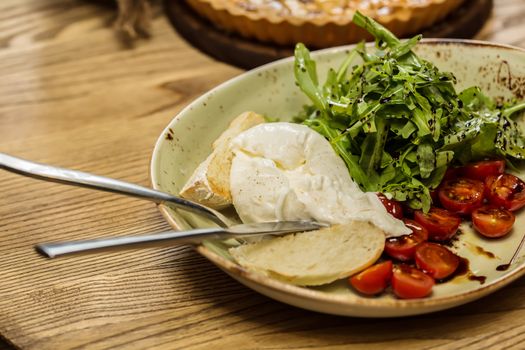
x,y
285,171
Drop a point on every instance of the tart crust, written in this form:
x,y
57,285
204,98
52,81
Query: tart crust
x,y
319,23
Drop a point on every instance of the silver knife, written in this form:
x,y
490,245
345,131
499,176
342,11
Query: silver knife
x,y
196,236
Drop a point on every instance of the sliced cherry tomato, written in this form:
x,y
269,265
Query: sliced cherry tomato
x,y
374,279
451,173
392,206
489,180
461,195
493,222
482,169
436,260
407,211
434,195
505,191
408,282
441,224
488,185
403,248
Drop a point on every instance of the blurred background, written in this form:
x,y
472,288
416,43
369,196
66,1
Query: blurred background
x,y
248,33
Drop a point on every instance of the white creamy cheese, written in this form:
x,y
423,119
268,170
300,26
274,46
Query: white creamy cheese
x,y
285,171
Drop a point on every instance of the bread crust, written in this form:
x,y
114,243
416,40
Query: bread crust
x,y
210,182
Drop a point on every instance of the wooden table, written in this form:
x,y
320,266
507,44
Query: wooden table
x,y
71,95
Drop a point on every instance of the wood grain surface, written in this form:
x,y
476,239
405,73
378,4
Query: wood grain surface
x,y
71,95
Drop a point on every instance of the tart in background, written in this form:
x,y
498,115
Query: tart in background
x,y
319,23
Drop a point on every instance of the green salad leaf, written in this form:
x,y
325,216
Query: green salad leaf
x,y
398,122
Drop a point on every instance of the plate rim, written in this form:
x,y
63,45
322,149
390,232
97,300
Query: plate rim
x,y
305,293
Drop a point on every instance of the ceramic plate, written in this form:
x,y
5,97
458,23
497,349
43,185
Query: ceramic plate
x,y
270,90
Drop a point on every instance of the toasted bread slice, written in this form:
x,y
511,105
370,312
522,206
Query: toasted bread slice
x,y
210,182
316,257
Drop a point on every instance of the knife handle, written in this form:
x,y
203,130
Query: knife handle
x,y
55,249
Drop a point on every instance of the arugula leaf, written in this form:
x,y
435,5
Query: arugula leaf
x,y
426,159
398,122
306,76
378,31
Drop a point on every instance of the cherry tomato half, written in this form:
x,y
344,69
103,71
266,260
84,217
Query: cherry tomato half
x,y
436,260
392,206
493,222
441,224
434,195
505,191
489,180
482,169
450,173
408,282
403,248
374,279
461,195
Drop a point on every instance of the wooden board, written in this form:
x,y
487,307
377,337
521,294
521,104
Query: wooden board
x,y
230,48
71,95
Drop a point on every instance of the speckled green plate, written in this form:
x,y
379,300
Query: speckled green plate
x,y
499,70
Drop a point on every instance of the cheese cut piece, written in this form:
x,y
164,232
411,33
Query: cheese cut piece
x,y
316,257
210,182
284,171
